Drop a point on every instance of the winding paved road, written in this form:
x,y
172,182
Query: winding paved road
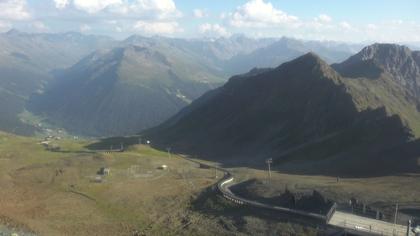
x,y
346,221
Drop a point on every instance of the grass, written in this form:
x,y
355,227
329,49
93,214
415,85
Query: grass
x,y
52,193
376,93
380,192
34,195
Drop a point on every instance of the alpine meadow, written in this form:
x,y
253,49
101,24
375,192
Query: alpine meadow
x,y
179,117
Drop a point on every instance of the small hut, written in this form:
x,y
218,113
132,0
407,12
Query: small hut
x,y
104,171
97,179
163,167
204,166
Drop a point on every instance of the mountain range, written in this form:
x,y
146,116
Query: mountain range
x,y
122,90
27,64
358,117
96,86
328,108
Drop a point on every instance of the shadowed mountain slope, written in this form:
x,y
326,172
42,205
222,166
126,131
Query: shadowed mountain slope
x,y
119,91
27,62
298,113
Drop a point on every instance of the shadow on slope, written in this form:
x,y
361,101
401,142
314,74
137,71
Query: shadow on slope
x,y
244,219
375,145
115,143
379,149
305,116
302,114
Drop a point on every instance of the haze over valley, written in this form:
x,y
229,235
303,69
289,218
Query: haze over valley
x,y
177,117
123,87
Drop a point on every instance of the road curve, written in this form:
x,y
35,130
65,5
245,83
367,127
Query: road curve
x,y
227,180
346,221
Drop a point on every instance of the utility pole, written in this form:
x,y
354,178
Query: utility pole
x,y
122,147
169,152
408,227
395,219
269,161
396,214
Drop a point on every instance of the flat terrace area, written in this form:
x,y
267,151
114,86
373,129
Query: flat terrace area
x,y
367,225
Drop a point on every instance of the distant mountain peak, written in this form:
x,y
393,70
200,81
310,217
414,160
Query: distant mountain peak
x,y
379,59
398,60
312,56
378,51
14,32
308,63
309,58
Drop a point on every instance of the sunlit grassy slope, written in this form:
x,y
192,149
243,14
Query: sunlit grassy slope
x,y
57,193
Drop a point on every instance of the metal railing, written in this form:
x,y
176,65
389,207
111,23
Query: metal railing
x,y
232,197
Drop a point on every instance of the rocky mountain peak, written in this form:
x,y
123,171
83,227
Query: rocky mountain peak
x,y
383,51
395,59
310,63
398,61
416,56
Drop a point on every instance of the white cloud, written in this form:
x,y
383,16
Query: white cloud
x,y
111,22
163,6
159,9
94,6
213,30
128,16
14,10
150,9
151,28
257,13
371,27
390,31
198,13
323,18
345,25
39,26
61,4
319,24
397,22
5,26
118,29
261,18
116,25
85,28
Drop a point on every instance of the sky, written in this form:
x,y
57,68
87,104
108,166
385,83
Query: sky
x,y
337,20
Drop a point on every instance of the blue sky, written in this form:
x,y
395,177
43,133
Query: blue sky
x,y
353,21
